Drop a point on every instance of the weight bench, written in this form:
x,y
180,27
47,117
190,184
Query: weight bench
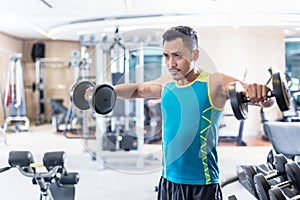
x,y
285,137
59,114
54,181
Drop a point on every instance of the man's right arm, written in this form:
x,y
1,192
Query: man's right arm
x,y
138,90
151,89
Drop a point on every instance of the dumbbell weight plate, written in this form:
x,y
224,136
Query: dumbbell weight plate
x,y
237,101
102,99
78,92
250,172
262,186
281,92
293,173
276,194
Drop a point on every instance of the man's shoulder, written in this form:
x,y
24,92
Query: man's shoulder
x,y
216,81
217,77
162,80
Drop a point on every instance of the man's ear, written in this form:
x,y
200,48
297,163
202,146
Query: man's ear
x,y
196,54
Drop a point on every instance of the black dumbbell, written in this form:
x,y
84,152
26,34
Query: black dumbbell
x,y
249,171
293,181
239,102
276,193
101,100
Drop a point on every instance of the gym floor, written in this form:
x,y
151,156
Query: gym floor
x,y
118,178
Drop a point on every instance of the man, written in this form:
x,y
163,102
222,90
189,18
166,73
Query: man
x,y
192,102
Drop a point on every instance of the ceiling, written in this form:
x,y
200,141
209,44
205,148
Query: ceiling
x,y
68,19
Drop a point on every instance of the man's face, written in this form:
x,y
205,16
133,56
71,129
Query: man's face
x,y
177,58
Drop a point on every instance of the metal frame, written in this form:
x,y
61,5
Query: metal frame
x,y
4,110
15,88
104,51
40,65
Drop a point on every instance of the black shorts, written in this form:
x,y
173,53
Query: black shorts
x,y
173,191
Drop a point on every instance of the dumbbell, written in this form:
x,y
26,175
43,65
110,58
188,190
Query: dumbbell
x,y
239,102
276,193
101,100
293,180
249,171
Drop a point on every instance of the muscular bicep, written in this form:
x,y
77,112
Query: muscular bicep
x,y
148,90
140,90
151,89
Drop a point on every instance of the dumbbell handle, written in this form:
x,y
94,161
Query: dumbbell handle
x,y
247,99
272,175
88,92
283,184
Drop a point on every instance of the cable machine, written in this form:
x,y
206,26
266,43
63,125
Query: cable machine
x,y
14,97
119,134
123,130
120,118
84,128
1,129
40,84
110,66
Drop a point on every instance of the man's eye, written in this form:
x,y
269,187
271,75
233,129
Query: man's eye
x,y
177,55
166,55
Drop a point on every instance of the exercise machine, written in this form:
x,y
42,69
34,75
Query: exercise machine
x,y
54,181
40,85
14,97
1,129
85,127
122,129
238,140
61,118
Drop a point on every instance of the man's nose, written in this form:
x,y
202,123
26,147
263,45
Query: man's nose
x,y
172,62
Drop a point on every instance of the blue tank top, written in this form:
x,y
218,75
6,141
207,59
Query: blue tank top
x,y
190,133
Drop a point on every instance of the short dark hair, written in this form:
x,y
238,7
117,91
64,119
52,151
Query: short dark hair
x,y
187,34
